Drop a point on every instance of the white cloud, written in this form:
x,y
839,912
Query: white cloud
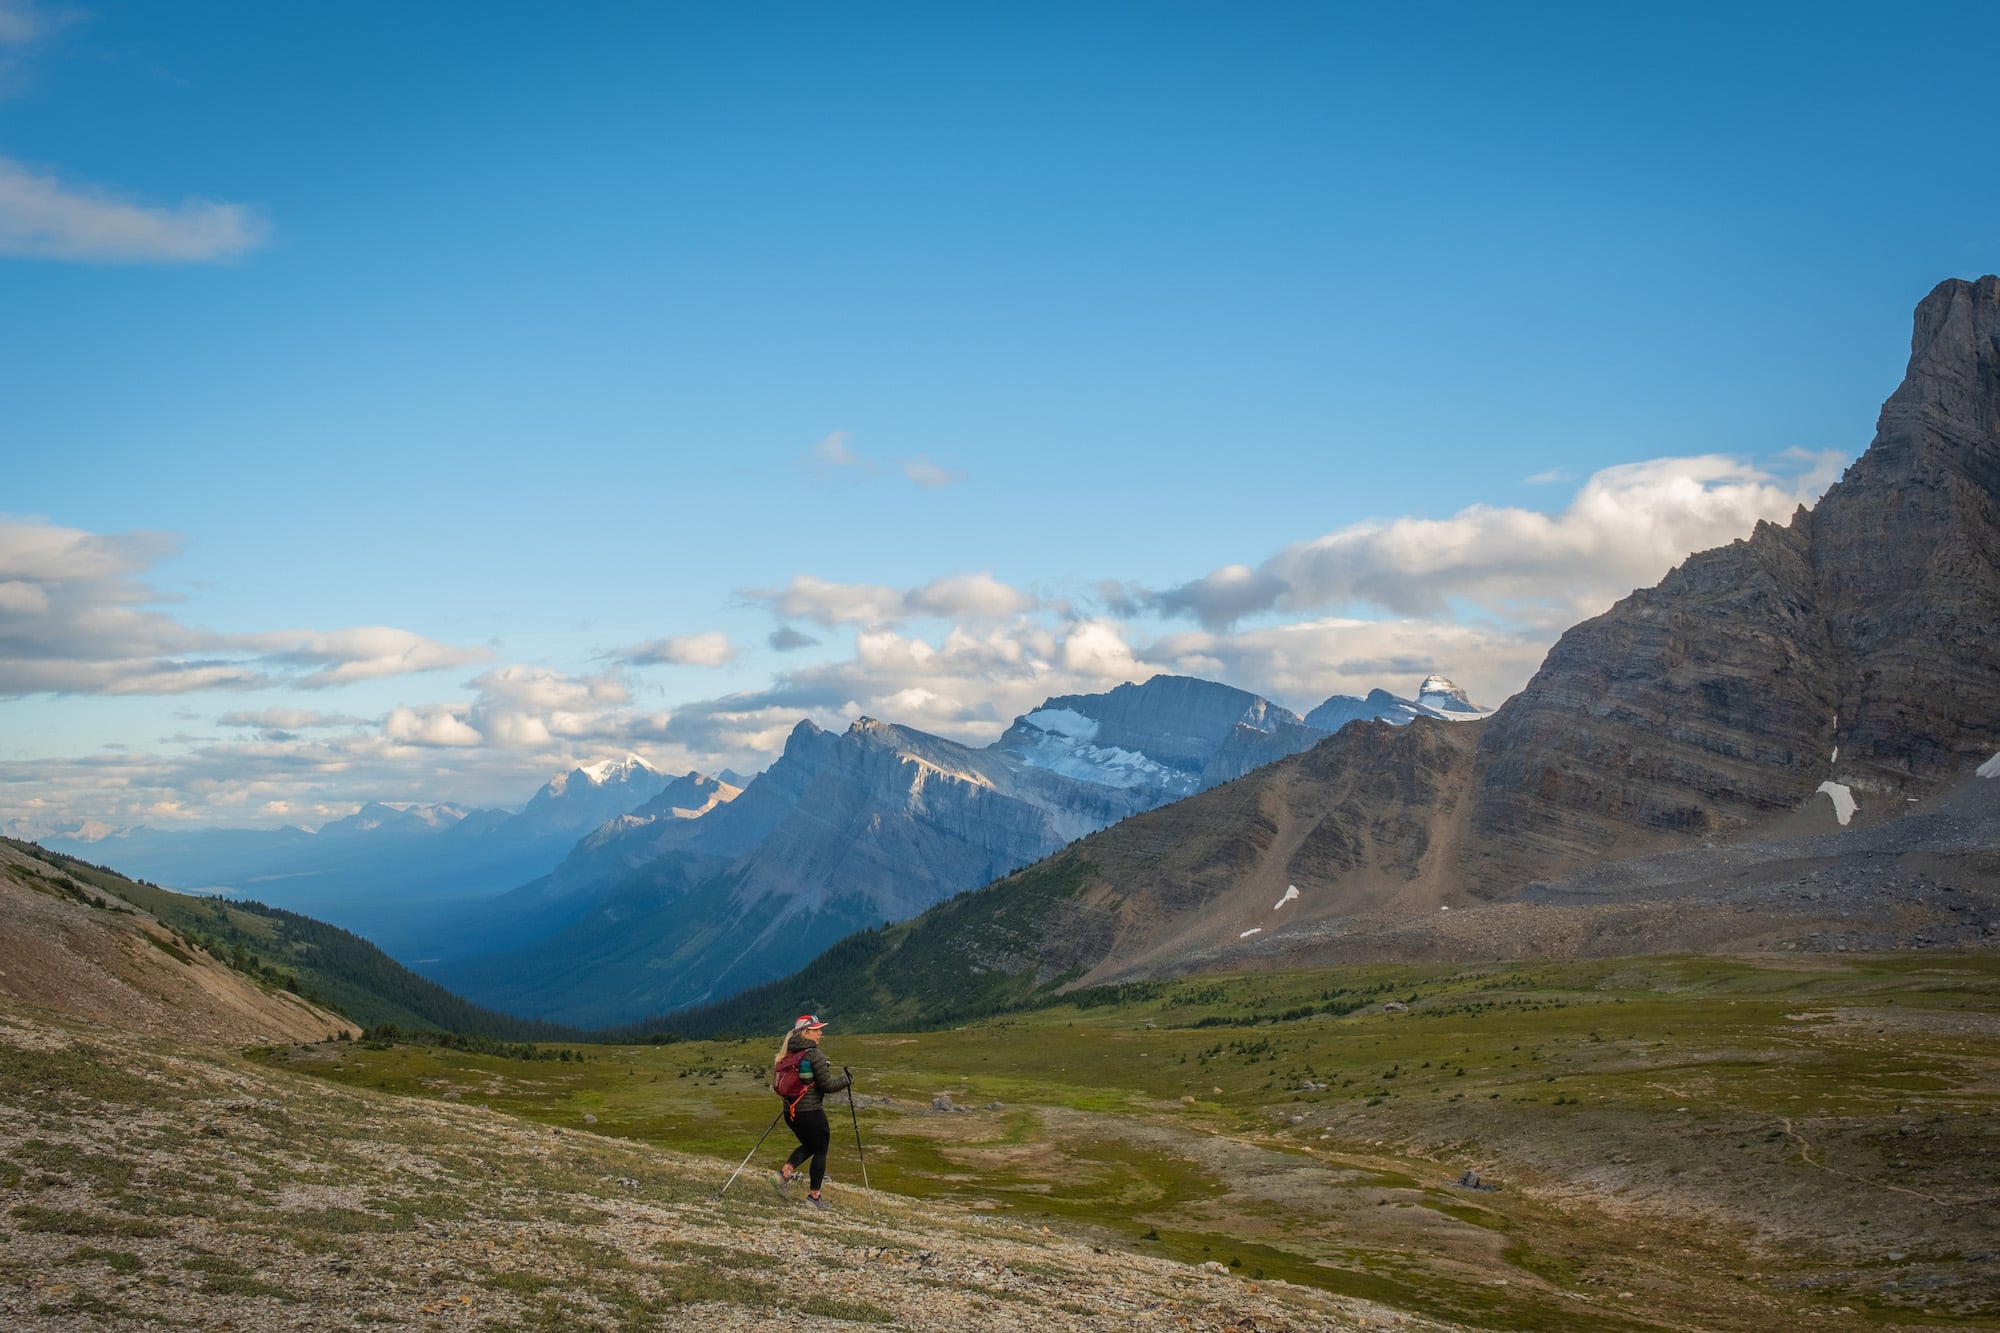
x,y
836,451
929,475
288,719
25,25
963,596
369,652
439,724
1625,528
711,649
71,623
959,656
41,217
22,23
1302,665
967,597
967,684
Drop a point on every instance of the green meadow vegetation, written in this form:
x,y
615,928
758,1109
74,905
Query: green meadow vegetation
x,y
1707,1142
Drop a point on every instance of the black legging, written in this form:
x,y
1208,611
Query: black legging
x,y
814,1135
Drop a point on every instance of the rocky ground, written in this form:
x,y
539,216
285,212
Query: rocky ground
x,y
147,1185
1929,879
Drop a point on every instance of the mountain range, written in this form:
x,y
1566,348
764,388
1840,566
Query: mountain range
x,y
856,829
632,892
393,872
1789,743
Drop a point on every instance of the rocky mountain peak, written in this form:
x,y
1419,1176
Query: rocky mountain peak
x,y
614,770
1953,381
1853,646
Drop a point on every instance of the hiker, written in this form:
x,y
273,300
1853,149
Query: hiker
x,y
811,1077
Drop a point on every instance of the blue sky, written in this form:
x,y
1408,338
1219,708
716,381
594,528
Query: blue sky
x,y
407,402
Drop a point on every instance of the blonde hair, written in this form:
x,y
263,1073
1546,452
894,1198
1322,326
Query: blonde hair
x,y
785,1044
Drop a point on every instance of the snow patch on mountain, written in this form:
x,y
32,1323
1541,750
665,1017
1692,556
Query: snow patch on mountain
x,y
1065,722
1843,800
1991,768
1107,766
1060,741
1291,892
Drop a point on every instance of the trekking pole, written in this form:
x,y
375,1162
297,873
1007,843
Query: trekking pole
x,y
752,1153
853,1115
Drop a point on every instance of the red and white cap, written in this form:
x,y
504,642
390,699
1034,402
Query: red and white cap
x,y
805,1021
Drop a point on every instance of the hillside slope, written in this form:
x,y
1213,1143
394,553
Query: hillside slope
x,y
79,948
273,949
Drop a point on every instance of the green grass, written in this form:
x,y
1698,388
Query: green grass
x,y
1701,1074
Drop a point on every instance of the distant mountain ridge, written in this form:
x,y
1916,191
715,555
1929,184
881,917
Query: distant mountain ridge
x,y
385,869
1436,698
842,832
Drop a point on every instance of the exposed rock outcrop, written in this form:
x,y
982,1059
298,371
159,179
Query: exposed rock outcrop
x,y
1854,644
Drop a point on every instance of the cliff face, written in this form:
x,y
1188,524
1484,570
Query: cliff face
x,y
1853,645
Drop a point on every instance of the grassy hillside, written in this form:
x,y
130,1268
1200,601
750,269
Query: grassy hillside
x,y
321,962
143,1185
1659,1144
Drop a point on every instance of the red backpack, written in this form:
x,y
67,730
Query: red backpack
x,y
785,1080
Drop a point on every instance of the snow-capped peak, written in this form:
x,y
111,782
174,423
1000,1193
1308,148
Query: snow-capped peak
x,y
1438,697
616,770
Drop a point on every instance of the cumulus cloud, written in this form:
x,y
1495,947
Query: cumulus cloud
x,y
1306,663
835,452
967,684
1477,597
711,649
785,639
42,217
73,621
438,724
366,653
929,475
1625,528
965,597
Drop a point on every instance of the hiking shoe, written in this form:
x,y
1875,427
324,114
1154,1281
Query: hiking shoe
x,y
818,1203
781,1183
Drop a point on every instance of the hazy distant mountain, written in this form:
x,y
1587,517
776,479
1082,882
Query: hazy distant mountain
x,y
846,831
380,870
1436,697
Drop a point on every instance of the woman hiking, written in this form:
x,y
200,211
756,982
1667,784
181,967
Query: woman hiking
x,y
811,1076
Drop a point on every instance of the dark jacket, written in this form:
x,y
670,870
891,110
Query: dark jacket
x,y
825,1078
